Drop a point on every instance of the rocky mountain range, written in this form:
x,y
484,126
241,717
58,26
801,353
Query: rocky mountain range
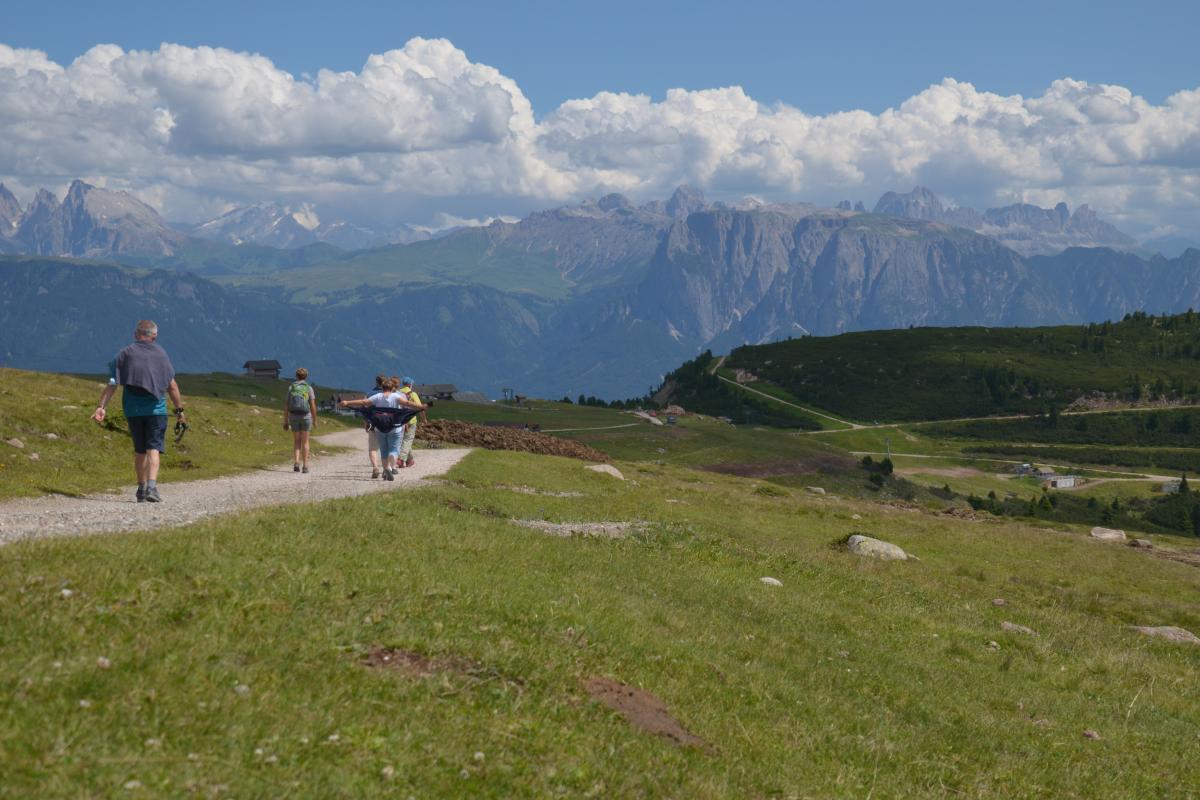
x,y
1028,229
602,297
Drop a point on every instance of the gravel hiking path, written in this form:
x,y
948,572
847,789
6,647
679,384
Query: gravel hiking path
x,y
338,475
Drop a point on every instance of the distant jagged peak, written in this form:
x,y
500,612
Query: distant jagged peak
x,y
44,198
108,203
10,211
920,203
614,201
1024,227
685,200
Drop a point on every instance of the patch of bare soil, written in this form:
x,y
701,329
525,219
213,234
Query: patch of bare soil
x,y
601,530
790,466
417,664
467,433
1191,557
643,711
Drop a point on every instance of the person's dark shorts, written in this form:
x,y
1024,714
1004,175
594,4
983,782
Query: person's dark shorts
x,y
148,433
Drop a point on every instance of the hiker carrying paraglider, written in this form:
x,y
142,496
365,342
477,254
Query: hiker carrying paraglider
x,y
387,411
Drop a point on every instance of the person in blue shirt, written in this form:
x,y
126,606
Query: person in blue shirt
x,y
145,372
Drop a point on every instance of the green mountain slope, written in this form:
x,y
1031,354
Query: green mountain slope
x,y
945,373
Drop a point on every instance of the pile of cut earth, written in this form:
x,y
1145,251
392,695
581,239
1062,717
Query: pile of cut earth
x,y
453,431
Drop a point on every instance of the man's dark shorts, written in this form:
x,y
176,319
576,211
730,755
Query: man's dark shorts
x,y
148,433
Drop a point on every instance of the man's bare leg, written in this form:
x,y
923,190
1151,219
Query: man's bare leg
x,y
146,466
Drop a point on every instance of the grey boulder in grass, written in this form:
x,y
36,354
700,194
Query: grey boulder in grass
x,y
1108,534
1169,632
606,469
875,548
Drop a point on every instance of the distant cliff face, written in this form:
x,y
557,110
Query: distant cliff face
x,y
758,275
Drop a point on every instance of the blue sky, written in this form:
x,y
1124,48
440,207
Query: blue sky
x,y
817,56
444,113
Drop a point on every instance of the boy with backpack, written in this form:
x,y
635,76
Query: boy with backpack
x,y
300,415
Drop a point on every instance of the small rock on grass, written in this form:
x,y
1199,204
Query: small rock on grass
x,y
815,489
1144,544
1015,628
1108,534
17,443
1169,632
606,469
993,645
1091,734
769,581
875,548
999,601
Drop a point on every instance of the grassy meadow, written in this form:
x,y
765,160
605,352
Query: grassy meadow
x,y
234,650
243,656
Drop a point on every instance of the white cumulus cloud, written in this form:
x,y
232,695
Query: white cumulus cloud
x,y
422,131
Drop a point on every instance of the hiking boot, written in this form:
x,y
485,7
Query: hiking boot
x,y
388,475
304,470
410,462
141,494
295,467
152,495
374,474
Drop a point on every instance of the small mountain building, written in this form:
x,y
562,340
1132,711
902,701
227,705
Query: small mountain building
x,y
436,391
263,369
1063,482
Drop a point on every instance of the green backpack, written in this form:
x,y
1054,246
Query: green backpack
x,y
297,401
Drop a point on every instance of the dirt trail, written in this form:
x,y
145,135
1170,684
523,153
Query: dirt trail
x,y
333,476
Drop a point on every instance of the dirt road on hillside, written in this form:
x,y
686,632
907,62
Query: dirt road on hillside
x,y
332,476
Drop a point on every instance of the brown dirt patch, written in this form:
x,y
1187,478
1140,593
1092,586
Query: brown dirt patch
x,y
643,711
417,664
420,666
467,433
1190,557
791,466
